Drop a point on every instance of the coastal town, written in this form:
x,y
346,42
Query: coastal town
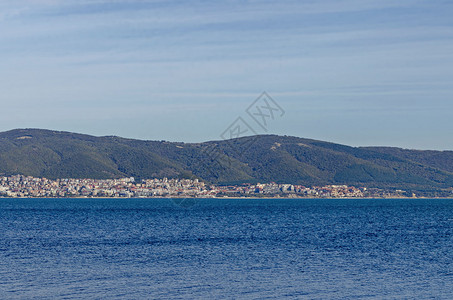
x,y
19,186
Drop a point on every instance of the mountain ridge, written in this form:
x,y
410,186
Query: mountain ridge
x,y
261,158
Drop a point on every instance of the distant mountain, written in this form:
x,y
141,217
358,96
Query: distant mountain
x,y
264,158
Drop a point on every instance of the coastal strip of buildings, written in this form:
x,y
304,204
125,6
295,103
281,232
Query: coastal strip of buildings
x,y
19,186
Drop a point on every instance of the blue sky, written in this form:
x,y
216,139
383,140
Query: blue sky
x,y
356,72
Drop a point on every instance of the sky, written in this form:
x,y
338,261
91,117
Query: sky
x,y
356,72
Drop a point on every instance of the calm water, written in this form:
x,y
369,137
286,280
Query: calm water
x,y
150,248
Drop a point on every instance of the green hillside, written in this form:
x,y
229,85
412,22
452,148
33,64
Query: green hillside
x,y
265,158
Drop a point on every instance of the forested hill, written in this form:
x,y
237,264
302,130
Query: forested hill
x,y
265,158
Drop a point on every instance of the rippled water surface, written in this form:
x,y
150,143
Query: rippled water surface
x,y
153,248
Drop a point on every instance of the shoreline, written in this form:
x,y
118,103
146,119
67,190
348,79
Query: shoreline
x,y
237,198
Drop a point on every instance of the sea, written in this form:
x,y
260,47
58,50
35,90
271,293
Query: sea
x,y
226,249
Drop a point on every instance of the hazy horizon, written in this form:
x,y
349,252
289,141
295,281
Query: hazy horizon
x,y
360,73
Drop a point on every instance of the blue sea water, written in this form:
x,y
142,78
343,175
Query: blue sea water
x,y
231,249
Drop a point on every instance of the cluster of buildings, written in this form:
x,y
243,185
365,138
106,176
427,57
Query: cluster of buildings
x,y
27,186
290,190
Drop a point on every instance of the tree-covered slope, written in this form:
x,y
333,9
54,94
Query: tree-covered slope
x,y
53,154
438,159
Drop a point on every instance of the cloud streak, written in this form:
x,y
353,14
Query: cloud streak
x,y
126,55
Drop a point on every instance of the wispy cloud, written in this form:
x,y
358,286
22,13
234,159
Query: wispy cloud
x,y
140,54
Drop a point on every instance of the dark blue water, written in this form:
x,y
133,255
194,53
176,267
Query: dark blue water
x,y
148,248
